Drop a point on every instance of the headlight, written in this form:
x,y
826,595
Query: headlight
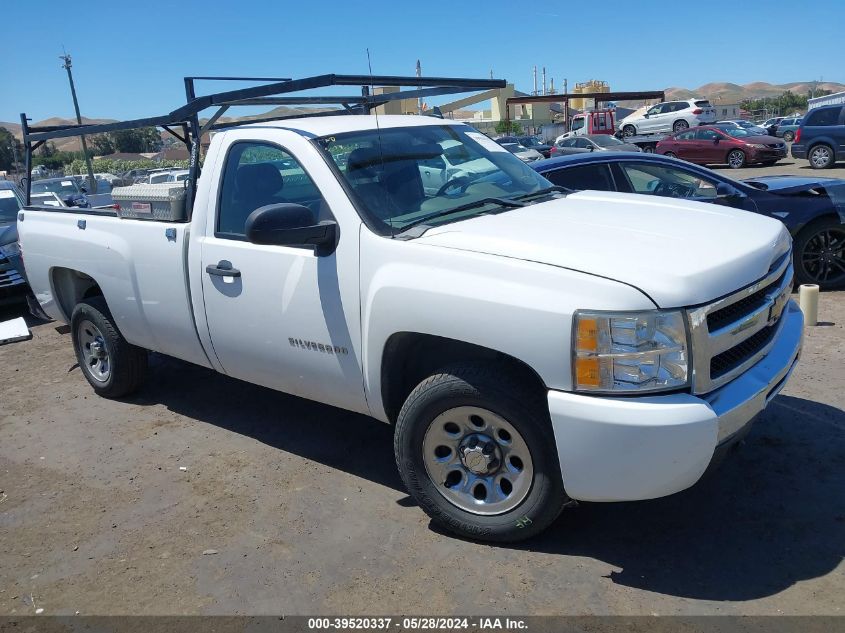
x,y
11,250
630,351
757,145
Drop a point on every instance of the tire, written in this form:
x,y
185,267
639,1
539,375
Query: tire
x,y
789,136
736,159
648,149
819,254
628,130
821,156
429,455
111,365
680,125
671,154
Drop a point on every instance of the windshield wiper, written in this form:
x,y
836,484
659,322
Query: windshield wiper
x,y
502,202
546,191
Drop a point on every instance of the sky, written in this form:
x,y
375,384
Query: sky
x,y
129,57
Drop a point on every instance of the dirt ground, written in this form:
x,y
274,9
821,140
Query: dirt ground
x,y
789,165
288,506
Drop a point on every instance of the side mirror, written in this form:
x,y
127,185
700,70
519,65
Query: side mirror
x,y
724,190
592,148
288,224
83,190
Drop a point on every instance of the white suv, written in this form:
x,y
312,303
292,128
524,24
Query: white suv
x,y
670,116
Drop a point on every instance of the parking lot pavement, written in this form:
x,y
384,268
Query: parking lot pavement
x,y
288,506
790,166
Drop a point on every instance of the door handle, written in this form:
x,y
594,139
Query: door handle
x,y
222,269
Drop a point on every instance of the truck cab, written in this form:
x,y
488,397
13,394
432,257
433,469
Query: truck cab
x,y
592,122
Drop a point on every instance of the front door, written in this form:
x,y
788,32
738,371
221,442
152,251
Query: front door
x,y
280,316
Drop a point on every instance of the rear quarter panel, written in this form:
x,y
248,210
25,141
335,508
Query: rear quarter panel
x,y
141,271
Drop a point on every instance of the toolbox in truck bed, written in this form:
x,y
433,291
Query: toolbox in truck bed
x,y
164,201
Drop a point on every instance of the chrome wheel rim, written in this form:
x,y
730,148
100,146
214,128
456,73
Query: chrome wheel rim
x,y
681,125
823,257
736,158
477,460
629,130
820,156
95,352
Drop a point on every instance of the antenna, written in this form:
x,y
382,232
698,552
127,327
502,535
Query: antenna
x,y
380,149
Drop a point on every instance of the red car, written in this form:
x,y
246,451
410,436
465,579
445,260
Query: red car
x,y
708,145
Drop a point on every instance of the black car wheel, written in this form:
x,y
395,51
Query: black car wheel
x,y
788,136
821,157
629,130
820,254
680,126
671,154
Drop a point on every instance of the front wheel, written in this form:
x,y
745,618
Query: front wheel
x,y
820,254
111,365
671,154
478,454
629,130
680,126
736,158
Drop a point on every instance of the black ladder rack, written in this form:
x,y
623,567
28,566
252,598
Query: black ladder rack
x,y
183,122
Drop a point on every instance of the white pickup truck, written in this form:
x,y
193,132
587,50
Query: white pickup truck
x,y
531,345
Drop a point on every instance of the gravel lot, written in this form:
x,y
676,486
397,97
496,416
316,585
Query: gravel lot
x,y
789,165
305,514
288,506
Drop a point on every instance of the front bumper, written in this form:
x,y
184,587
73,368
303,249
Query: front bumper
x,y
13,287
630,448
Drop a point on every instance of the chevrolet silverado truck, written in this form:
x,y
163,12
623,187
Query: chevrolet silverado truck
x,y
530,345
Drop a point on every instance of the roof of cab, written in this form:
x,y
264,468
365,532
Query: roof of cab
x,y
326,125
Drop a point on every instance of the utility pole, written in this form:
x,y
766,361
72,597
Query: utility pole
x,y
92,182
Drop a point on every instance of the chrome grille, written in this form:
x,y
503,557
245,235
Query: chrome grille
x,y
732,334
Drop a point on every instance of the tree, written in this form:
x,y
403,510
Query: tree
x,y
7,154
508,127
145,139
102,145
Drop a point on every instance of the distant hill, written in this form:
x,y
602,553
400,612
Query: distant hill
x,y
734,93
72,144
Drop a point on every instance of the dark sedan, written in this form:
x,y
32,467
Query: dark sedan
x,y
591,143
531,142
813,209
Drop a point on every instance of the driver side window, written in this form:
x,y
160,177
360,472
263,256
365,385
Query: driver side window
x,y
667,181
258,174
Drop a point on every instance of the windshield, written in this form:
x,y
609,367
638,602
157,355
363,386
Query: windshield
x,y
736,132
529,141
514,148
9,205
65,186
606,140
399,175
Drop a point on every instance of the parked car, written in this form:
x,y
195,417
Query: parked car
x,y
531,142
135,176
809,207
497,323
179,175
438,170
525,154
671,116
66,187
709,145
13,288
771,124
593,143
787,127
821,137
742,124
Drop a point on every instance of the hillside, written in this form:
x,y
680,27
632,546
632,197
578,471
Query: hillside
x,y
734,93
62,144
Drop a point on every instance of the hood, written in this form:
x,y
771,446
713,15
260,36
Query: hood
x,y
678,253
794,184
8,233
625,147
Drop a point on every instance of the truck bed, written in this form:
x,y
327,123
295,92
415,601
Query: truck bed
x,y
141,265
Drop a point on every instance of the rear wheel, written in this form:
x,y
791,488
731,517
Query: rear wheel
x,y
629,130
820,254
680,125
736,158
821,157
789,136
476,450
110,364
